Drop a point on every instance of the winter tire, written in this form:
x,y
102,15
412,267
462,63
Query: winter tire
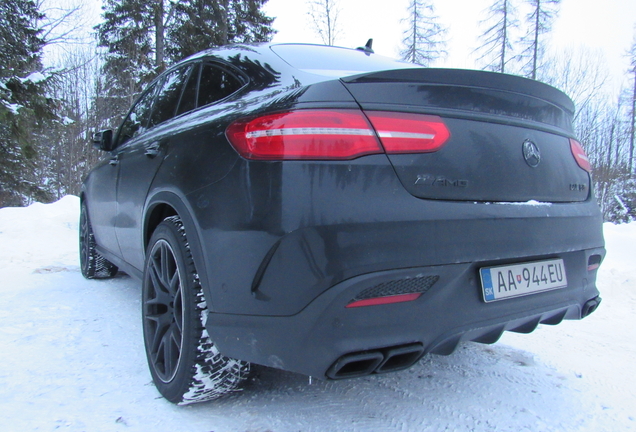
x,y
185,364
93,265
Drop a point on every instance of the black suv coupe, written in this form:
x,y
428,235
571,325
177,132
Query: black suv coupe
x,y
336,213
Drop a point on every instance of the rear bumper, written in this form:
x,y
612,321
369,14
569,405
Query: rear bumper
x,y
294,243
319,340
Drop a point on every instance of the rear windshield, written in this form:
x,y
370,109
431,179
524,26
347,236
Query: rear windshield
x,y
335,62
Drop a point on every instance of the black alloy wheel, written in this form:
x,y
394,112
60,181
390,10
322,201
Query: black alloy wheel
x,y
185,365
92,264
164,311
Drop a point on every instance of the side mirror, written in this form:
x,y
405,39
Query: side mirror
x,y
103,140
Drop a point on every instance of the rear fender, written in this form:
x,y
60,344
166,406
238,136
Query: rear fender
x,y
183,209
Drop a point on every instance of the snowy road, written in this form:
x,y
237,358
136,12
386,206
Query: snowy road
x,y
72,358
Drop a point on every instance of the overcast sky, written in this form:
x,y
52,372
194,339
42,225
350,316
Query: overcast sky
x,y
607,26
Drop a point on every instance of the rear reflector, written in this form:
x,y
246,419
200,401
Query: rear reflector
x,y
335,134
579,155
384,300
409,133
594,262
305,134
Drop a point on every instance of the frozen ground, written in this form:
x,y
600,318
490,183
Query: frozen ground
x,y
71,358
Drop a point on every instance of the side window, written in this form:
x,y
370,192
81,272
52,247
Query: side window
x,y
137,120
189,97
168,96
216,84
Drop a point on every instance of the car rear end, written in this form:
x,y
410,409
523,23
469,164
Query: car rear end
x,y
439,206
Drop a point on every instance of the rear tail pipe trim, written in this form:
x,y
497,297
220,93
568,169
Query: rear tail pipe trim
x,y
376,361
590,306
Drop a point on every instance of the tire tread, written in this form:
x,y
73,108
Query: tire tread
x,y
211,374
97,266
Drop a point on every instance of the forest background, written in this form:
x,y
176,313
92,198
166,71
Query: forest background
x,y
63,76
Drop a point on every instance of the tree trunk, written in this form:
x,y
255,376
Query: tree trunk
x,y
505,38
221,14
415,31
159,36
535,53
633,129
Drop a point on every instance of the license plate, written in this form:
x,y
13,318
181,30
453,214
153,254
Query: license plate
x,y
503,282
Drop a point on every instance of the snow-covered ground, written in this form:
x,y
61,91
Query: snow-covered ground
x,y
72,358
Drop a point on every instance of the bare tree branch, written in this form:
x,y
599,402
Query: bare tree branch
x,y
62,23
324,16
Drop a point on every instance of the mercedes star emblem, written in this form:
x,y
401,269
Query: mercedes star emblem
x,y
531,153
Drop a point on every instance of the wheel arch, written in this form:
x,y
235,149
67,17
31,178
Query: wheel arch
x,y
157,213
165,204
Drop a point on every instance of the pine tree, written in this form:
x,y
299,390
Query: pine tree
x,y
203,24
539,21
249,23
142,36
497,47
127,34
424,38
25,109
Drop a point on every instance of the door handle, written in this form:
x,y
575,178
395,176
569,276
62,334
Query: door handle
x,y
153,149
114,160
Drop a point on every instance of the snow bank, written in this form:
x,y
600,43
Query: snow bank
x,y
72,359
621,246
40,235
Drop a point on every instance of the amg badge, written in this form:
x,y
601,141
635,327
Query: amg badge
x,y
429,180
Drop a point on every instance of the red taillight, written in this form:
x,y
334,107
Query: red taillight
x,y
409,133
384,300
306,134
335,134
579,155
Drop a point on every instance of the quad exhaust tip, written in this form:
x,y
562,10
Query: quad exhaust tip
x,y
375,361
590,306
